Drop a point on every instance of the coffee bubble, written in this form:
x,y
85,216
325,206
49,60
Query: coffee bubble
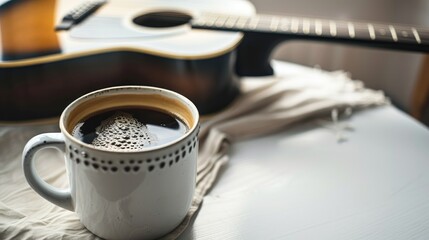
x,y
129,129
123,132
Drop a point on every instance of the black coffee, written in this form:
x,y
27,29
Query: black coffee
x,y
129,129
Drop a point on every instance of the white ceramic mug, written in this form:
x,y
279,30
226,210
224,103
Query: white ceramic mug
x,y
123,195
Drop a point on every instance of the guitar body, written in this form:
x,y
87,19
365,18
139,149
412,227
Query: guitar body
x,y
38,81
43,90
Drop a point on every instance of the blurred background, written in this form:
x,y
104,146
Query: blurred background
x,y
394,72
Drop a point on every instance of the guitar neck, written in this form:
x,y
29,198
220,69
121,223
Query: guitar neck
x,y
360,33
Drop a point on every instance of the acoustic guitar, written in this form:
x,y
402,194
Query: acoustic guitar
x,y
164,43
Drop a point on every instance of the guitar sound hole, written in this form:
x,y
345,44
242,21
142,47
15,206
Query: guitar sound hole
x,y
162,19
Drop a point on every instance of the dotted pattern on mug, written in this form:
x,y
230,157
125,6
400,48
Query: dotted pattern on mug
x,y
132,165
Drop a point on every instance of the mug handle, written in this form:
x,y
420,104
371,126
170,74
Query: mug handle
x,y
60,197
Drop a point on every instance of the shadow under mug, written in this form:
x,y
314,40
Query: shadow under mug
x,y
116,194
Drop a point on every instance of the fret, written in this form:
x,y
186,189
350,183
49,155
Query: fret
x,y
230,22
274,23
265,23
423,35
285,24
318,27
306,26
211,22
405,34
351,29
241,22
393,32
253,23
362,31
343,30
382,32
416,35
371,31
220,21
329,28
199,22
333,28
294,25
208,20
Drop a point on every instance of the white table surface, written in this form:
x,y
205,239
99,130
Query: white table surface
x,y
303,184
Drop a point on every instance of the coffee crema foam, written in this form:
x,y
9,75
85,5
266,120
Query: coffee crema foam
x,y
123,131
129,129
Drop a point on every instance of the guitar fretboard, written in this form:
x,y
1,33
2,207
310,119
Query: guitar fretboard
x,y
384,35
